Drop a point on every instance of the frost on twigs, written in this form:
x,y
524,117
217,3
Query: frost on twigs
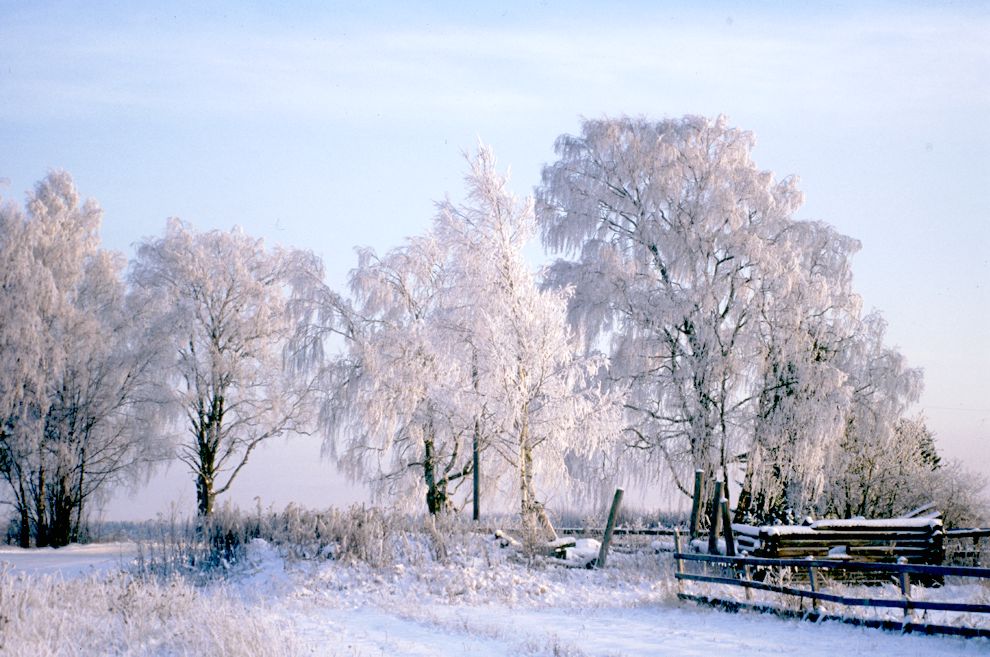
x,y
223,305
734,335
80,393
452,349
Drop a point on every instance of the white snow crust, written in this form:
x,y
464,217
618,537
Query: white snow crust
x,y
487,604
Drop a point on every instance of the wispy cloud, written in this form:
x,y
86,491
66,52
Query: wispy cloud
x,y
839,65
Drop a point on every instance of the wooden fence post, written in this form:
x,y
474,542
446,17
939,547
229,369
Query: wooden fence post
x,y
730,541
609,527
699,488
678,563
813,582
905,580
715,518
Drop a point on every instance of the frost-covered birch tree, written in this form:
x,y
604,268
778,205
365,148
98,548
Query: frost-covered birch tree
x,y
77,391
877,447
541,401
222,304
671,229
400,407
452,349
807,322
734,330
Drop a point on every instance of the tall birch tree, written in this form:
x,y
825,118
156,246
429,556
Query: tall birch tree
x,y
542,404
451,351
222,303
671,228
77,391
400,405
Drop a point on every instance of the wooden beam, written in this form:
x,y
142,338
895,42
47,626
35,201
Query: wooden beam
x,y
715,519
699,490
609,527
730,543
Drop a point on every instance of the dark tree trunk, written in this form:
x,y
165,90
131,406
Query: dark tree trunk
x,y
41,511
204,495
24,533
61,507
436,487
476,474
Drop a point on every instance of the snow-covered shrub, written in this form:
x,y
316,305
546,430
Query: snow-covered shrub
x,y
206,549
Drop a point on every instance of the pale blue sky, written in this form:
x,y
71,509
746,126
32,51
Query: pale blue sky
x,y
331,126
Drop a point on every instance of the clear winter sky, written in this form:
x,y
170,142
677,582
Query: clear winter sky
x,y
328,126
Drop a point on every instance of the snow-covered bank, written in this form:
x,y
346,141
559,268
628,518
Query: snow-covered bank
x,y
478,602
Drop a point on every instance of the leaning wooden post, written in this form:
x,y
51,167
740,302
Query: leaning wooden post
x,y
715,518
609,527
678,564
730,541
699,488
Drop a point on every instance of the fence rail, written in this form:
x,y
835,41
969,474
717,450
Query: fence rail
x,y
618,531
738,572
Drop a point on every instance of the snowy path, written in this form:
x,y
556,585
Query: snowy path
x,y
454,631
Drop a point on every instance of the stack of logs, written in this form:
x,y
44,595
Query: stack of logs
x,y
916,540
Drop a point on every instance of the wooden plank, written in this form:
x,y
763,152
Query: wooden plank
x,y
967,533
617,531
887,603
895,626
887,549
867,551
880,567
838,537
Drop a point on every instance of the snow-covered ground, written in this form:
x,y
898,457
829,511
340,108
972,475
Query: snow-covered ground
x,y
473,604
69,561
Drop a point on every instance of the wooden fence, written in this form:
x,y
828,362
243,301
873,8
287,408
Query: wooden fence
x,y
746,572
968,546
917,540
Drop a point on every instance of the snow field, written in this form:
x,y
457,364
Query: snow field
x,y
480,601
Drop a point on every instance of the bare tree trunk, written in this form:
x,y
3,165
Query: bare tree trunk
x,y
41,511
24,535
476,450
476,475
745,500
204,494
79,498
526,502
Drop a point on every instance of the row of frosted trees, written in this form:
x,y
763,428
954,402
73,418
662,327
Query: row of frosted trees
x,y
690,322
